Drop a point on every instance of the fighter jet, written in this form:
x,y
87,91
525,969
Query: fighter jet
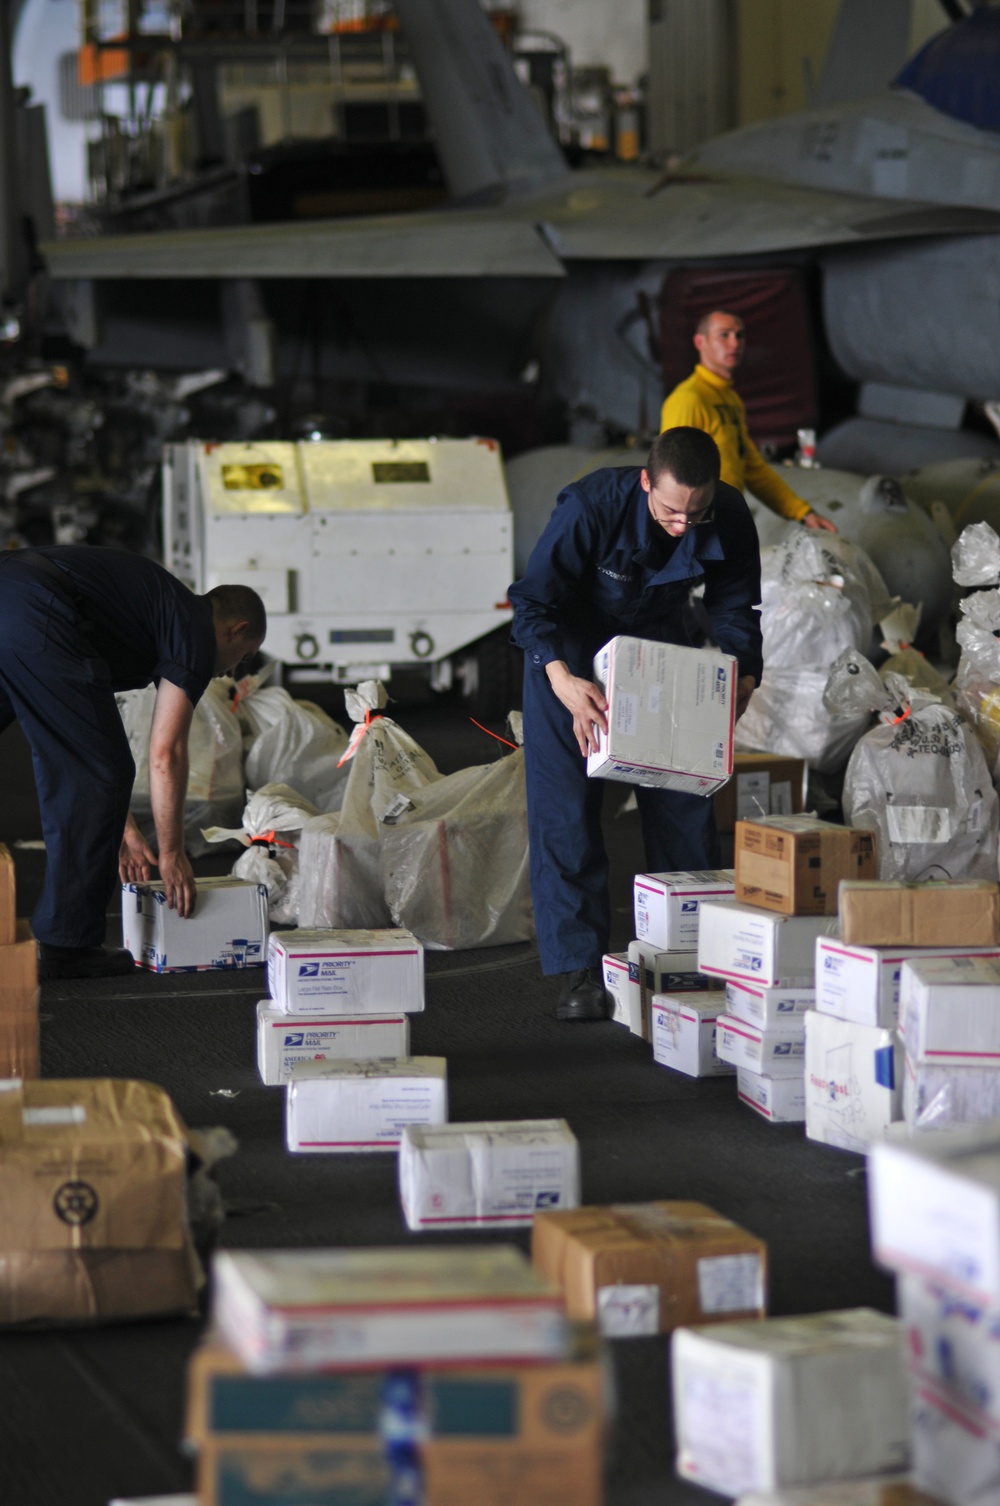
x,y
532,266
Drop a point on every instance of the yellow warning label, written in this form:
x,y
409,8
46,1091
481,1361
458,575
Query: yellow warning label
x,y
262,477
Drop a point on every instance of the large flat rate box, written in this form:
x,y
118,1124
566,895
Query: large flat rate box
x,y
361,1105
490,1175
795,864
346,972
645,1268
744,944
861,983
299,1310
789,1401
667,904
671,714
284,1040
227,929
954,914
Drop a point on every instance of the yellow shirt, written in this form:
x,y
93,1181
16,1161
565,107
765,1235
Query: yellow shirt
x,y
709,402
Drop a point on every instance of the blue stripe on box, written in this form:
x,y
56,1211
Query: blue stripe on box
x,y
885,1067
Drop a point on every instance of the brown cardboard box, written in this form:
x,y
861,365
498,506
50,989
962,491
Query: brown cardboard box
x,y
763,784
8,905
875,1492
794,865
936,914
93,1203
648,1268
19,1006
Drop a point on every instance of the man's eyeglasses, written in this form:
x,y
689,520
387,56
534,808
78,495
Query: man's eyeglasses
x,y
674,515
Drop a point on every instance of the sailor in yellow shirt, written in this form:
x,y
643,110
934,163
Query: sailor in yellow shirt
x,y
707,400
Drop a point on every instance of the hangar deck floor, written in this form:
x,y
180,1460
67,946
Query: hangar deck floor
x,y
90,1415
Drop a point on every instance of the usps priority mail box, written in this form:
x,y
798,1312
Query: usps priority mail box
x,y
671,715
683,1033
228,927
363,1105
779,1100
861,983
285,1039
742,943
667,905
346,972
614,970
487,1175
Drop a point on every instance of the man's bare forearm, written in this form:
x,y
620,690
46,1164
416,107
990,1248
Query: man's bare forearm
x,y
168,781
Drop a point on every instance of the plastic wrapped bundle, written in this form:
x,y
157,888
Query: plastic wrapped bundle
x,y
918,779
975,557
339,855
272,822
293,742
941,1097
977,683
818,599
455,861
215,792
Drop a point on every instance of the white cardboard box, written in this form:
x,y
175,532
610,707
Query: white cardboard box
x,y
489,1175
227,929
667,905
779,1100
284,1039
949,1009
767,1007
952,1343
363,1105
346,972
943,1097
614,967
779,1052
853,1079
301,1310
956,1455
789,1401
652,972
934,1205
862,982
671,714
684,1033
744,944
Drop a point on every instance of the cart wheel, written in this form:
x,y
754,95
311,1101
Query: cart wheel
x,y
489,677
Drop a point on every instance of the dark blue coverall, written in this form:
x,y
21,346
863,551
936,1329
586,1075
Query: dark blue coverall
x,y
603,566
109,621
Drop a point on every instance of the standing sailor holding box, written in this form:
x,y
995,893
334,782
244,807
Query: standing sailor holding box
x,y
620,555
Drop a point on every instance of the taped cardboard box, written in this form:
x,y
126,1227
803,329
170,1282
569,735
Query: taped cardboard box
x,y
853,1081
8,898
93,1203
19,1043
504,1401
763,784
949,1011
228,928
779,1100
652,972
468,1176
953,914
943,1097
789,1401
744,944
644,1268
614,969
934,1206
684,1030
861,983
895,1490
767,1007
363,1105
780,1051
671,715
667,905
794,865
283,1040
346,972
300,1310
953,1344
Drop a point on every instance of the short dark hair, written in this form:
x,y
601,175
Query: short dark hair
x,y
689,455
706,319
235,603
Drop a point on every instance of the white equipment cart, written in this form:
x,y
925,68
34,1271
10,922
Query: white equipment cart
x,y
369,554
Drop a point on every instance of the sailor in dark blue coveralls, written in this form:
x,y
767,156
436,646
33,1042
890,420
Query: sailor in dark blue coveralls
x,y
77,624
621,554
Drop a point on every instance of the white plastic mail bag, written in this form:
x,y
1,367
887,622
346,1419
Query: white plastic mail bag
x,y
918,779
293,742
454,859
272,822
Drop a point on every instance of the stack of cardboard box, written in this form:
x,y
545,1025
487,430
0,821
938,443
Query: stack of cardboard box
x,y
935,1219
18,982
762,943
438,1376
921,939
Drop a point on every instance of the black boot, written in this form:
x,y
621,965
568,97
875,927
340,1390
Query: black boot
x,y
583,996
56,962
